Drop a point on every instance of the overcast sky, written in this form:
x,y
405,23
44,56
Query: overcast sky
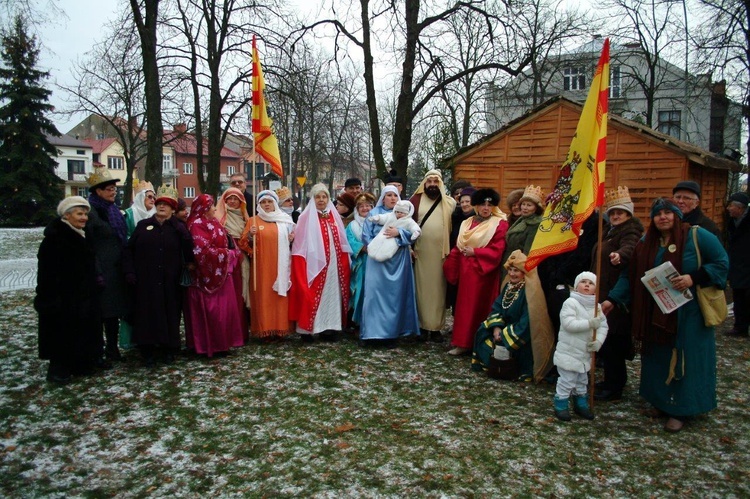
x,y
69,39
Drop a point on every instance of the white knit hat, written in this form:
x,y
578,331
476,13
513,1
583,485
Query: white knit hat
x,y
584,275
72,202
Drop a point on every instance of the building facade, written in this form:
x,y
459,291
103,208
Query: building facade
x,y
690,108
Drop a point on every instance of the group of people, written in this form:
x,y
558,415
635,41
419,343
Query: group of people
x,y
388,268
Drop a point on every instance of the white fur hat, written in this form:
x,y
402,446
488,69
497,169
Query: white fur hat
x,y
72,202
584,275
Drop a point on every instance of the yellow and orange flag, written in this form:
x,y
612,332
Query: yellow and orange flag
x,y
265,141
580,185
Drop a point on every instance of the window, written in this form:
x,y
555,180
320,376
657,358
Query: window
x,y
76,167
189,192
716,135
100,136
614,82
80,191
574,79
187,168
231,170
670,123
116,163
166,162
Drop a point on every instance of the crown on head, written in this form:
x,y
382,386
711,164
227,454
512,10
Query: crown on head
x,y
100,175
143,185
167,191
535,193
615,197
284,193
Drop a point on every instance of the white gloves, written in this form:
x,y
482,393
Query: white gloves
x,y
593,346
595,322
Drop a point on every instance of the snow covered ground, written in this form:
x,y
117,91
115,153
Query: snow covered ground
x,y
18,249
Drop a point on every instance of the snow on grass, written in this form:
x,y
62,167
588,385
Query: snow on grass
x,y
335,420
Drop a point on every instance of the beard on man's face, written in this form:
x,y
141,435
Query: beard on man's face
x,y
432,191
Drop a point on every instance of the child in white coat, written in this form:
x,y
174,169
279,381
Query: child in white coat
x,y
575,344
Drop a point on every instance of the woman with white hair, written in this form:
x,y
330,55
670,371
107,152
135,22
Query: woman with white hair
x,y
266,240
66,295
319,297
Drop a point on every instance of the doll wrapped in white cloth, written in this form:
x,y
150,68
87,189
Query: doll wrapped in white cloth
x,y
382,248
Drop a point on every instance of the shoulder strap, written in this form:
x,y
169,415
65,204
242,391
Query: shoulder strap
x,y
694,230
429,212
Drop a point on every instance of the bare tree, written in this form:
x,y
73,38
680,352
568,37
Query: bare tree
x,y
724,46
145,16
413,24
211,42
110,84
651,31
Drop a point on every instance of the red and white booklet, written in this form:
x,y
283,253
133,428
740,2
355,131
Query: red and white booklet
x,y
658,282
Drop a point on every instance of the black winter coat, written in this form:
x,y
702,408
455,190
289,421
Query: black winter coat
x,y
66,296
738,248
113,298
155,255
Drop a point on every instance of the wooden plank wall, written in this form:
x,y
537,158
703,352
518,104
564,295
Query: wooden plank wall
x,y
532,152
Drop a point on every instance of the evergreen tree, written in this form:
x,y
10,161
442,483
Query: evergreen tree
x,y
29,188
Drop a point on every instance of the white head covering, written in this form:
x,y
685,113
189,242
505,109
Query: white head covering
x,y
387,188
584,275
447,202
308,242
138,208
404,206
277,215
284,227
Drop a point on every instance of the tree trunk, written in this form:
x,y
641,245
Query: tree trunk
x,y
154,134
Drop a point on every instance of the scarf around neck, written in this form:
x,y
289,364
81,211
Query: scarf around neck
x,y
110,213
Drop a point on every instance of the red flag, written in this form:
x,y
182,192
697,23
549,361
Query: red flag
x,y
580,186
265,141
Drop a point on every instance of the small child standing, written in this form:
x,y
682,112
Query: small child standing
x,y
574,347
382,248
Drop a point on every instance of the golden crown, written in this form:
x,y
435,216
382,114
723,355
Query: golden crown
x,y
167,191
615,197
284,193
142,185
100,175
535,193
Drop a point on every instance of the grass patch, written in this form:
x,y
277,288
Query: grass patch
x,y
332,419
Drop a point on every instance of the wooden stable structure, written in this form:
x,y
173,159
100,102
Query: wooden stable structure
x,y
530,150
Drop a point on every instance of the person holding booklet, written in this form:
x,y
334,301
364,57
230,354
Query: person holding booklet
x,y
678,351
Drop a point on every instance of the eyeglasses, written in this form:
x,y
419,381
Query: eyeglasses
x,y
150,196
237,182
110,188
685,198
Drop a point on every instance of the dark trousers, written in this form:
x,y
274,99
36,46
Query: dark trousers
x,y
616,350
741,308
111,333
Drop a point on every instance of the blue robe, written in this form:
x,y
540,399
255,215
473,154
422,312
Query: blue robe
x,y
357,278
693,391
390,306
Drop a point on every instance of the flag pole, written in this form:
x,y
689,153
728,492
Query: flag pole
x,y
255,218
592,373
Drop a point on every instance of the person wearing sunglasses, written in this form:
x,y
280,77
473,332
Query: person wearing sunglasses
x,y
238,181
142,206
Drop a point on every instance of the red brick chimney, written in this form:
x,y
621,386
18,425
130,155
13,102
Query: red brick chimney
x,y
180,128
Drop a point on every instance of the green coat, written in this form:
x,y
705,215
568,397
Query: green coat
x,y
693,389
